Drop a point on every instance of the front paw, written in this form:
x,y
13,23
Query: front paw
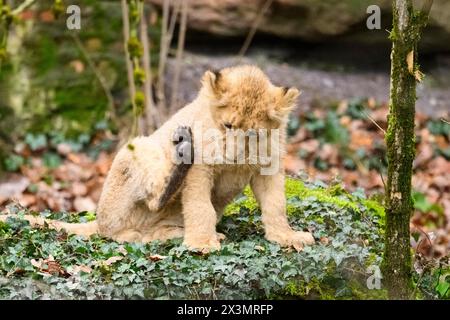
x,y
295,239
203,243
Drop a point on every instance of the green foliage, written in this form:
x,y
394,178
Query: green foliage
x,y
13,162
422,204
247,266
356,108
63,92
434,281
36,142
293,125
334,131
439,127
443,284
51,160
296,189
327,129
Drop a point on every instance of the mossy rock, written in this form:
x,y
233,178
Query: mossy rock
x,y
347,228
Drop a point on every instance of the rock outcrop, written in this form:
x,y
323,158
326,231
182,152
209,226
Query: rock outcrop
x,y
311,20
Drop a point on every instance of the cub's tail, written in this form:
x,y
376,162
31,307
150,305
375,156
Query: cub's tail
x,y
83,229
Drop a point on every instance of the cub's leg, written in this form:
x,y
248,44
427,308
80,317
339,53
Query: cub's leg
x,y
182,158
145,174
269,192
128,235
164,233
198,211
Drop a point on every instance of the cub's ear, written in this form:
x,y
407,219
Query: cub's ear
x,y
291,95
285,103
210,81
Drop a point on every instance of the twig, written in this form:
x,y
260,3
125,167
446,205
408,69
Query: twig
x,y
253,29
426,235
168,28
172,24
179,56
373,121
131,85
102,81
445,121
23,6
426,8
165,17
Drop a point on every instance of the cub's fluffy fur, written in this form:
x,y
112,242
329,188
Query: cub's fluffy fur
x,y
129,207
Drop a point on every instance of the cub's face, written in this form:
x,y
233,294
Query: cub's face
x,y
246,105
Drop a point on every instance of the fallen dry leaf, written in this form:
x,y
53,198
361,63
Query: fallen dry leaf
x,y
156,257
424,154
293,164
78,189
77,269
49,266
84,204
13,186
310,146
111,260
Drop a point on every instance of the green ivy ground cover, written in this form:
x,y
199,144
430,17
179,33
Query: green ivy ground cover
x,y
347,228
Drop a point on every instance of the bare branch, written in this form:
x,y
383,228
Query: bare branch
x,y
102,81
166,39
254,27
374,122
179,56
23,6
173,22
150,110
165,18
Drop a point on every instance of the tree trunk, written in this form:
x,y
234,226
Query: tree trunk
x,y
407,26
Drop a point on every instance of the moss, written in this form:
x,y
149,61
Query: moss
x,y
247,201
58,8
308,290
335,195
361,292
393,35
314,289
139,76
135,48
3,226
139,102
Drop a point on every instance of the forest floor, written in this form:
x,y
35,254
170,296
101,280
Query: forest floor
x,y
326,74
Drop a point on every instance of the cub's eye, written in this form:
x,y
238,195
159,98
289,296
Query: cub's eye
x,y
228,125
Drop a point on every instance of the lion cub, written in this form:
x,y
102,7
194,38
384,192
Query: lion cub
x,y
148,195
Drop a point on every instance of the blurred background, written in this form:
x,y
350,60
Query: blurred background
x,y
69,98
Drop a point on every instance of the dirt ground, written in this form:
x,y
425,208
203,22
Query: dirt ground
x,y
324,75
